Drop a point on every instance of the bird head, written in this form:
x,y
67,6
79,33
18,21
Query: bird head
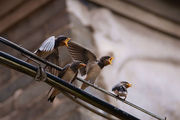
x,y
106,60
77,65
81,65
126,84
63,40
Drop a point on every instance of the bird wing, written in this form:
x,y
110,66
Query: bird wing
x,y
61,73
92,74
64,56
48,44
120,88
74,77
60,57
81,54
54,90
54,58
46,47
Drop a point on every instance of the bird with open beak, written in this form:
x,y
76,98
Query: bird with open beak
x,y
50,45
121,89
49,51
69,74
93,66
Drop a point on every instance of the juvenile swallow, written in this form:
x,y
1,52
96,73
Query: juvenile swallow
x,y
49,51
121,89
50,45
93,66
69,74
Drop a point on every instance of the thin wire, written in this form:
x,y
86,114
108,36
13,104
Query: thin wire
x,y
25,51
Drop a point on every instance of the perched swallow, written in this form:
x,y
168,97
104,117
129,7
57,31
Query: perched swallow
x,y
121,89
50,45
49,51
93,66
69,74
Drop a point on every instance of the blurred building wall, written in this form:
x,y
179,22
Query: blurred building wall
x,y
143,40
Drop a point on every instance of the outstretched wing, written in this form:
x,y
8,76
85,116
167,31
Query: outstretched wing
x,y
48,44
81,54
46,47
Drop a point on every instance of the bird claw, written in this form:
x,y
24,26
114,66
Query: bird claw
x,y
124,98
41,74
117,97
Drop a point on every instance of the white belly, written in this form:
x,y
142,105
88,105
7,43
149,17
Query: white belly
x,y
120,93
69,75
93,73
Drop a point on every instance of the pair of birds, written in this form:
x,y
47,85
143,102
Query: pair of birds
x,y
83,60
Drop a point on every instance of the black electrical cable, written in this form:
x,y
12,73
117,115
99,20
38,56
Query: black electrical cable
x,y
54,81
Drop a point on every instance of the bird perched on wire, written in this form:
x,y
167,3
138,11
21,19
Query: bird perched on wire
x,y
93,66
50,45
49,51
121,89
69,74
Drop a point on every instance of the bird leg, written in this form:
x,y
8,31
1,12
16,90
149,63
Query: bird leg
x,y
41,74
125,98
117,96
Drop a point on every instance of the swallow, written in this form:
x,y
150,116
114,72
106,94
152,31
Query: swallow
x,y
49,51
121,89
68,74
93,66
50,45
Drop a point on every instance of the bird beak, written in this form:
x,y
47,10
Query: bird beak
x,y
110,60
66,41
129,85
82,65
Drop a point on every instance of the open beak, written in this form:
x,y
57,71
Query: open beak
x,y
129,85
82,65
110,60
66,41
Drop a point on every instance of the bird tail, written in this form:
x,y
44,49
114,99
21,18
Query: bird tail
x,y
29,60
51,98
84,86
53,94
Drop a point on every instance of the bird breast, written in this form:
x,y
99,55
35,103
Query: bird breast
x,y
69,75
93,72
